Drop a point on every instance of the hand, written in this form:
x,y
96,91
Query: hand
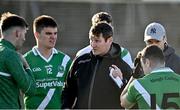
x,y
138,70
117,72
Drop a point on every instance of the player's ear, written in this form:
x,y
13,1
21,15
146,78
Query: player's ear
x,y
110,39
36,34
148,62
16,33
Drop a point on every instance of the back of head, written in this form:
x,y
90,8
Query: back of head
x,y
101,28
154,31
101,16
42,22
9,20
153,53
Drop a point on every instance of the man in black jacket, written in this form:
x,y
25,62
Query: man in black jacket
x,y
88,83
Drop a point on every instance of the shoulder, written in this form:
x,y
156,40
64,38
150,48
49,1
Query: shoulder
x,y
134,87
83,58
138,84
85,50
30,55
9,53
169,52
126,56
10,56
176,57
62,54
124,51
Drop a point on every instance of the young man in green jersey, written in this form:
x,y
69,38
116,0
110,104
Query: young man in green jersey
x,y
15,74
158,89
49,65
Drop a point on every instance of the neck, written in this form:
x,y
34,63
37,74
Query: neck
x,y
107,51
158,66
10,39
45,52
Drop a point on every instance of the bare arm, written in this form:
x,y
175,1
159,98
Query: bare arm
x,y
123,98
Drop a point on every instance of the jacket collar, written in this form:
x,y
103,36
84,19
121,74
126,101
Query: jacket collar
x,y
114,51
7,44
168,50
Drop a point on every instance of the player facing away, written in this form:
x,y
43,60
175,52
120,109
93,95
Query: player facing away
x,y
15,74
158,89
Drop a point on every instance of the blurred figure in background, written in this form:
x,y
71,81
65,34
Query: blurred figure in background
x,y
15,74
156,34
49,65
105,17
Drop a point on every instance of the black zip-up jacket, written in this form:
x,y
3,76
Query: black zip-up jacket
x,y
89,83
172,60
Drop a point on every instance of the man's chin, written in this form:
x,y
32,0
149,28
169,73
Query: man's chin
x,y
51,46
95,53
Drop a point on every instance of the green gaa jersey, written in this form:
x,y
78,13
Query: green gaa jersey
x,y
50,75
158,90
13,77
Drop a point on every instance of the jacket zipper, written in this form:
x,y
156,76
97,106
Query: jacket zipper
x,y
92,84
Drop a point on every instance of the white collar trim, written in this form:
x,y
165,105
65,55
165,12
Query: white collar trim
x,y
165,69
36,52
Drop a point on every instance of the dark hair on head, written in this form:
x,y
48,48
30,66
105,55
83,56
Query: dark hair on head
x,y
9,20
101,28
42,22
154,53
101,16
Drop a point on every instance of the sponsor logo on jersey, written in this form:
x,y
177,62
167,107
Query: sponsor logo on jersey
x,y
49,84
36,69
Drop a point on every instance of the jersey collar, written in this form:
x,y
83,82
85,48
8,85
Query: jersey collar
x,y
36,53
164,69
7,44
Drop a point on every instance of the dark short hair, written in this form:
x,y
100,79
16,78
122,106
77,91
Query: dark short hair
x,y
9,20
154,53
42,22
101,16
101,28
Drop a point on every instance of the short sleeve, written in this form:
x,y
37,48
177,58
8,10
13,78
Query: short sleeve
x,y
132,93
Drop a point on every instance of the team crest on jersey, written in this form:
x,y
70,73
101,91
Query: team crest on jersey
x,y
60,71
